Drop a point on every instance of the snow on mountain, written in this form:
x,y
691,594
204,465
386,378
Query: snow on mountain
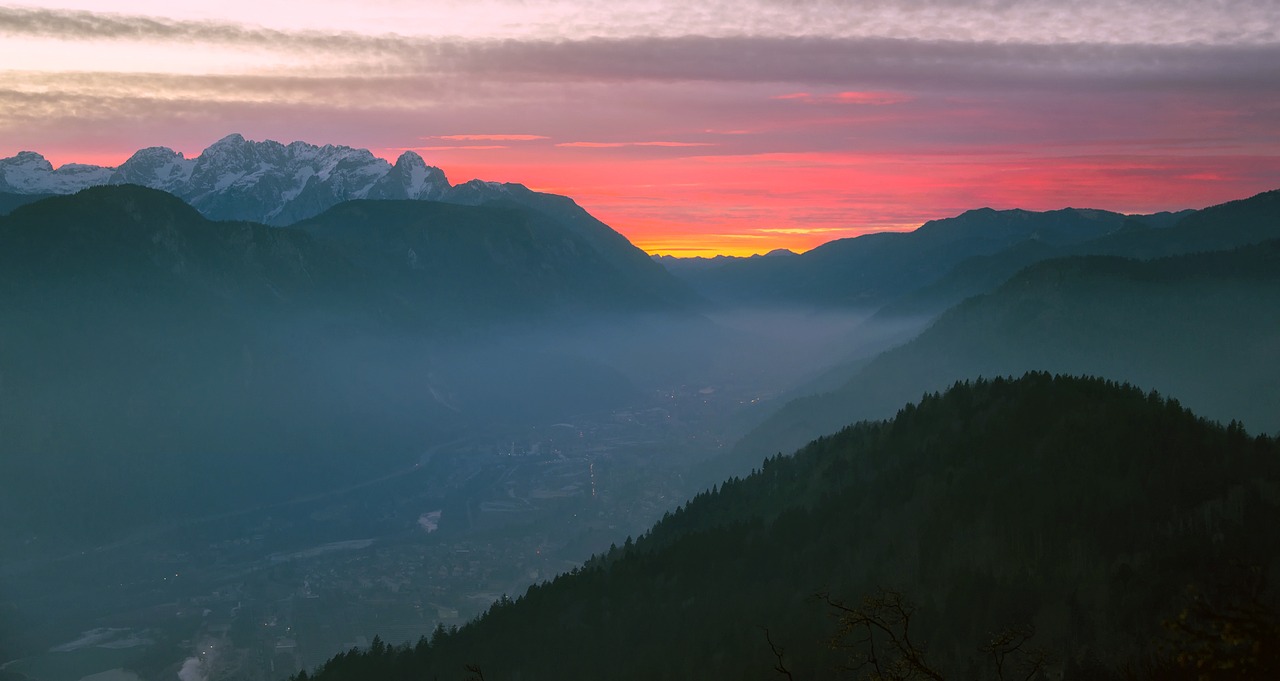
x,y
31,173
236,179
476,192
239,179
155,167
411,178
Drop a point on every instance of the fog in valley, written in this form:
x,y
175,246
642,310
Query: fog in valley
x,y
271,498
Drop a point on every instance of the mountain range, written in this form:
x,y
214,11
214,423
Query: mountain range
x,y
267,182
181,338
1201,327
922,272
868,271
1220,227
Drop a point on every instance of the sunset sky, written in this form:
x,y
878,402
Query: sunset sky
x,y
693,128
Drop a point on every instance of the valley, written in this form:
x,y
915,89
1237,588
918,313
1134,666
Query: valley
x,y
278,588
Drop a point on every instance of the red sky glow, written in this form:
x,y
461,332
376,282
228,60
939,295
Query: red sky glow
x,y
736,129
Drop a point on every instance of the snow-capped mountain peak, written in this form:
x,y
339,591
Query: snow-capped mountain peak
x,y
476,192
157,167
411,178
27,160
31,173
240,179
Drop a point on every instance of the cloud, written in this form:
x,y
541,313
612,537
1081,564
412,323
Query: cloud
x,y
802,230
901,64
65,24
494,138
902,61
472,147
1167,22
614,145
869,98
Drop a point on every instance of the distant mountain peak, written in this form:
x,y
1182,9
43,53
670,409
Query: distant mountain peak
x,y
148,153
410,178
410,159
27,159
485,184
278,184
236,178
234,139
156,167
476,192
31,173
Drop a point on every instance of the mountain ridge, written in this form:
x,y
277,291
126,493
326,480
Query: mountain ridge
x,y
1219,227
867,271
1196,326
239,179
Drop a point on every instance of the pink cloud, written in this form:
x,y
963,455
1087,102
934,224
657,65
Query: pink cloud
x,y
454,147
614,145
866,98
491,138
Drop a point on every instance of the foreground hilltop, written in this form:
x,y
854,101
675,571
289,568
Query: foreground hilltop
x,y
1077,509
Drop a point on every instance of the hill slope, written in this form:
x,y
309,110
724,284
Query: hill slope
x,y
868,271
1076,505
1200,327
1216,228
153,360
497,259
925,271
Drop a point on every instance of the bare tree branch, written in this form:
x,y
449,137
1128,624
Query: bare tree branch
x,y
877,635
778,652
1007,648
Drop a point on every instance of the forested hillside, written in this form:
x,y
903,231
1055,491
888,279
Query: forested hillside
x,y
1200,327
1075,508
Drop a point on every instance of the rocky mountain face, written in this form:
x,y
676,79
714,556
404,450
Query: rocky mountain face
x,y
31,173
267,182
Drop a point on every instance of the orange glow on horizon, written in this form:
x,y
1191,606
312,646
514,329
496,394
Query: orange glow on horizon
x,y
752,204
689,202
689,129
711,245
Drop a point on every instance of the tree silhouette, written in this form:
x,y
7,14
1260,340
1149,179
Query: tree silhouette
x,y
876,637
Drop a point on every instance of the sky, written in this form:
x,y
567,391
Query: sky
x,y
718,127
